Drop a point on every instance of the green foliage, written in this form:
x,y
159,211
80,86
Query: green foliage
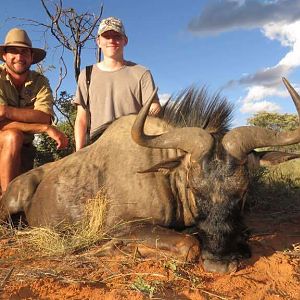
x,y
143,286
277,122
46,147
65,108
274,121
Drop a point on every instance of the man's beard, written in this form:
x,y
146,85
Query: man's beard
x,y
11,68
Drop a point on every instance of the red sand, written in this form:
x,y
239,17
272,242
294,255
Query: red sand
x,y
272,273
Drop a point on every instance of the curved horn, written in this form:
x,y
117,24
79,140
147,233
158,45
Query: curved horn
x,y
242,140
193,140
295,96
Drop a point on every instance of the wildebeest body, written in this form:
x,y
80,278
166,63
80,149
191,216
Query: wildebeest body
x,y
171,173
132,195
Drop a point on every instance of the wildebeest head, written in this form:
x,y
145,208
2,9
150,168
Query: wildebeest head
x,y
217,166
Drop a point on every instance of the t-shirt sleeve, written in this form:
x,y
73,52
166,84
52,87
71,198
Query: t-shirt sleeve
x,y
148,86
44,98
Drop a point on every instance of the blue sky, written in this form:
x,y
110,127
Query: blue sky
x,y
239,47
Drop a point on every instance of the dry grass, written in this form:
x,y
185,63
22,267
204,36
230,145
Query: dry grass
x,y
276,188
74,237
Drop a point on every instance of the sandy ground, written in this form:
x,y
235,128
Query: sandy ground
x,y
273,271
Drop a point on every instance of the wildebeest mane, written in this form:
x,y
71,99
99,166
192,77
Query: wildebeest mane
x,y
193,107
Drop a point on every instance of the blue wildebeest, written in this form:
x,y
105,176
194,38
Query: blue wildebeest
x,y
184,170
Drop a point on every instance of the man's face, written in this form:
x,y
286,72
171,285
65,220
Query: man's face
x,y
18,59
112,43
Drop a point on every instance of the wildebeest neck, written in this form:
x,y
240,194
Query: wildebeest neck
x,y
185,208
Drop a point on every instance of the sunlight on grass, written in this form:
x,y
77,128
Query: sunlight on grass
x,y
71,238
276,187
290,170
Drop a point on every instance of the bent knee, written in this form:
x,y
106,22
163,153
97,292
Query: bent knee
x,y
12,138
188,248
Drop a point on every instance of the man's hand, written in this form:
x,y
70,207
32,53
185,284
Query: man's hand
x,y
60,138
154,109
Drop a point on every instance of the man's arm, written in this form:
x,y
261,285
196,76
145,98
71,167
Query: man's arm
x,y
26,115
80,128
59,137
148,87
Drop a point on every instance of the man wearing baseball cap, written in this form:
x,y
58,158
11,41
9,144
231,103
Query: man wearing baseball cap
x,y
26,105
117,87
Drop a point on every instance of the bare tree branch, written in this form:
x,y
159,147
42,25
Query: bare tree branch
x,y
72,30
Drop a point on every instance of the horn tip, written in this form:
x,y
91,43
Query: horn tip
x,y
285,81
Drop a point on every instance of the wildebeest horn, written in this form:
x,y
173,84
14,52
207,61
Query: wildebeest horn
x,y
193,140
242,140
295,96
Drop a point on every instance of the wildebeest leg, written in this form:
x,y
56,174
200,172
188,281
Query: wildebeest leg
x,y
19,193
146,239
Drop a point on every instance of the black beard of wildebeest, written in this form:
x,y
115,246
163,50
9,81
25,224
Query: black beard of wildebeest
x,y
220,226
186,171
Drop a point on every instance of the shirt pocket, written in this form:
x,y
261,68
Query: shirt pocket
x,y
27,102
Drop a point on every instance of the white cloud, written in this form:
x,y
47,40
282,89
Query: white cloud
x,y
255,101
253,107
289,36
266,82
163,98
278,20
222,16
259,92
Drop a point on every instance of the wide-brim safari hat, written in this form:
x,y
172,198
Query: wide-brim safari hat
x,y
18,38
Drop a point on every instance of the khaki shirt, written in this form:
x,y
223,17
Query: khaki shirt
x,y
35,94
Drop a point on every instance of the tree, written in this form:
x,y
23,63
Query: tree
x,y
277,122
72,31
46,147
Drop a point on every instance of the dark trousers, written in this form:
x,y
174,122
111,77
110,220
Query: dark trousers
x,y
28,153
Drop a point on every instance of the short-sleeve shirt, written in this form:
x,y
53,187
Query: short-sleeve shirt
x,y
35,94
114,93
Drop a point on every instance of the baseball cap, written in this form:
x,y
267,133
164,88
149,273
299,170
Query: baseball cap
x,y
111,23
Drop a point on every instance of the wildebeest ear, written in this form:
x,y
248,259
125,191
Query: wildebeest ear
x,y
165,166
268,158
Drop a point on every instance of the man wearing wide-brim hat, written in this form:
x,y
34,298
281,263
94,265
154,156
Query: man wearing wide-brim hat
x,y
26,104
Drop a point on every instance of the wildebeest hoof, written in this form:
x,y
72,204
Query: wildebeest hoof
x,y
218,266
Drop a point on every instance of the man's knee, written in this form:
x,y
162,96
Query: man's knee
x,y
12,139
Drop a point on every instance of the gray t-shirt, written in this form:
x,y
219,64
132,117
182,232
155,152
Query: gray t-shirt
x,y
114,93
